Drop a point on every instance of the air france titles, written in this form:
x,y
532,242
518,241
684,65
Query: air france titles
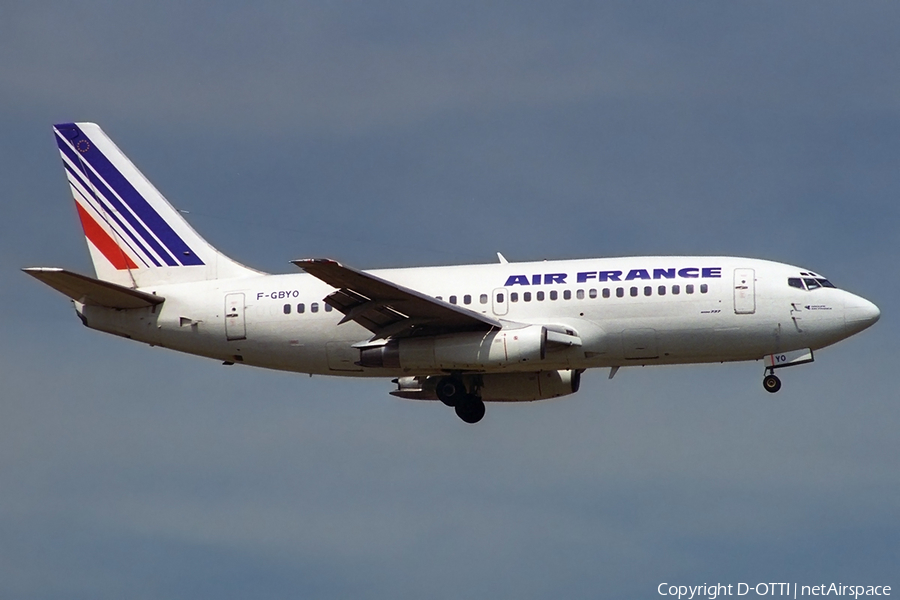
x,y
604,276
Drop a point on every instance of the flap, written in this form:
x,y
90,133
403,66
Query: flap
x,y
390,310
93,292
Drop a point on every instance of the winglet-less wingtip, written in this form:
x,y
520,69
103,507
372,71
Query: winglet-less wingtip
x,y
301,262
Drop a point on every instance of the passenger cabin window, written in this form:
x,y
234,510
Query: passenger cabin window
x,y
301,308
648,290
661,290
540,296
452,299
554,294
467,299
634,292
513,296
567,294
704,288
676,289
689,288
580,294
328,307
605,293
620,292
287,309
314,307
500,298
483,298
526,296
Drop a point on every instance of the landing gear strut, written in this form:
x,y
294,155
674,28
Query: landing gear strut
x,y
771,383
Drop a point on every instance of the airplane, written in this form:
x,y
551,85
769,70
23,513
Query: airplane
x,y
463,335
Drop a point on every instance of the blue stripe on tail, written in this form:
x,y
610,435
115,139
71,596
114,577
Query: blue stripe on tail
x,y
100,206
104,197
176,250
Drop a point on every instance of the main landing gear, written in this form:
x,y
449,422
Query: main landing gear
x,y
452,392
771,383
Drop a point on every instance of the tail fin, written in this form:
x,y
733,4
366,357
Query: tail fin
x,y
136,238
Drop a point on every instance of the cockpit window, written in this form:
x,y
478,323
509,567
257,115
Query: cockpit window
x,y
809,283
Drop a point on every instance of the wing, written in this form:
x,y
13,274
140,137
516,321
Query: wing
x,y
390,310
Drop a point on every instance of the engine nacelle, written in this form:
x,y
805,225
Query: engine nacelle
x,y
498,387
460,351
525,387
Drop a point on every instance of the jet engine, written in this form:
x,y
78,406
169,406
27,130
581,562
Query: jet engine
x,y
472,350
497,387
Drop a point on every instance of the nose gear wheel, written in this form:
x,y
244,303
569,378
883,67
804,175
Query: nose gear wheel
x,y
771,383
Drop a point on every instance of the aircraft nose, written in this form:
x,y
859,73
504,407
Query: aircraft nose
x,y
859,314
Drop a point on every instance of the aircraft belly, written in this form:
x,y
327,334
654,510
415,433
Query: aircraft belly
x,y
716,344
703,338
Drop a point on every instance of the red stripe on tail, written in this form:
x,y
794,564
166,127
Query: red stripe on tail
x,y
104,243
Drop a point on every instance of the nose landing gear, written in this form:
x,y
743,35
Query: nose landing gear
x,y
790,358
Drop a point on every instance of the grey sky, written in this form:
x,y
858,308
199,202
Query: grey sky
x,y
422,133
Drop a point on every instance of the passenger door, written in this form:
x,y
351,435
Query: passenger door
x,y
744,291
235,326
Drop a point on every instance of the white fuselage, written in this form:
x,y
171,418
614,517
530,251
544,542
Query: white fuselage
x,y
626,311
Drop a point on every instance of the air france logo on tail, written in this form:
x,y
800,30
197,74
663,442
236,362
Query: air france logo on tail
x,y
117,219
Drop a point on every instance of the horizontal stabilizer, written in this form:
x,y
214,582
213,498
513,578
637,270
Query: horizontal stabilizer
x,y
93,292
